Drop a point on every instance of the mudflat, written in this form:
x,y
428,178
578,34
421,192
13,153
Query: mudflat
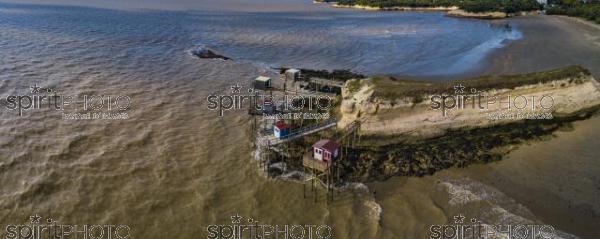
x,y
548,42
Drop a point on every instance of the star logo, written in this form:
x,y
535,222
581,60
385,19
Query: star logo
x,y
35,89
35,219
459,89
459,219
236,89
236,219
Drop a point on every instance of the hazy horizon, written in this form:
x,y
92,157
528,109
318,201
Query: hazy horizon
x,y
179,5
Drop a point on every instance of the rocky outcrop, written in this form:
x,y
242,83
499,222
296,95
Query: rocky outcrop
x,y
206,53
480,15
406,115
407,135
403,132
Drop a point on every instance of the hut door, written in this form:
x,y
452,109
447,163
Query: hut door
x,y
318,154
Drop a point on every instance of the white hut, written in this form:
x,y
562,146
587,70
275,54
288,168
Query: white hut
x,y
292,74
262,82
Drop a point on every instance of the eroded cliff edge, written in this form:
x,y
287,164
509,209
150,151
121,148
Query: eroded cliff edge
x,y
387,106
406,131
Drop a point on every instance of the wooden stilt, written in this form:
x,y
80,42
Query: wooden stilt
x,y
268,160
327,180
304,183
338,164
313,185
329,184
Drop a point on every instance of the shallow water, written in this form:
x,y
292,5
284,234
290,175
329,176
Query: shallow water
x,y
372,43
173,168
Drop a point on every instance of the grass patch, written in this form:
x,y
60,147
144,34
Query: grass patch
x,y
391,88
353,86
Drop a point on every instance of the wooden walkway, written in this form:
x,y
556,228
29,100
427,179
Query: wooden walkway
x,y
347,131
271,140
326,82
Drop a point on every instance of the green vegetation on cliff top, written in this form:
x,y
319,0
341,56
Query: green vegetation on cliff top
x,y
392,88
507,6
574,8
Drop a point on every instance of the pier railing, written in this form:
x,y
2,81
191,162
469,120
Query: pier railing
x,y
300,132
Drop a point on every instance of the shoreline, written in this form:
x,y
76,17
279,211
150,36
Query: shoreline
x,y
578,39
579,20
451,11
509,59
498,62
568,33
416,9
527,54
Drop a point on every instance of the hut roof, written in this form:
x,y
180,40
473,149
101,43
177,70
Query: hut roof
x,y
281,125
293,71
326,144
263,78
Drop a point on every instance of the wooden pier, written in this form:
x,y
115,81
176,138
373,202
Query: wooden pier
x,y
298,133
272,149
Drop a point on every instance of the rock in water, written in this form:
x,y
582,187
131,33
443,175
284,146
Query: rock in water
x,y
205,53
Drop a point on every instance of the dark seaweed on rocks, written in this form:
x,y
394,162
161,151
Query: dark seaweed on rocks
x,y
371,161
377,158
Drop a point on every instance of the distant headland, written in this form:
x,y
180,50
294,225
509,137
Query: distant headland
x,y
472,9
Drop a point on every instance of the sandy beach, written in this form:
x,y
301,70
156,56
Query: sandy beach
x,y
548,42
555,179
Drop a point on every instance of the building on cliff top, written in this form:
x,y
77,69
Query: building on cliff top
x,y
292,74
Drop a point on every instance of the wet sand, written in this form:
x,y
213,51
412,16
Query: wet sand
x,y
552,182
548,42
557,179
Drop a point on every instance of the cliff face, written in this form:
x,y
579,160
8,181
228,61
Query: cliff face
x,y
406,131
429,115
416,128
482,15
